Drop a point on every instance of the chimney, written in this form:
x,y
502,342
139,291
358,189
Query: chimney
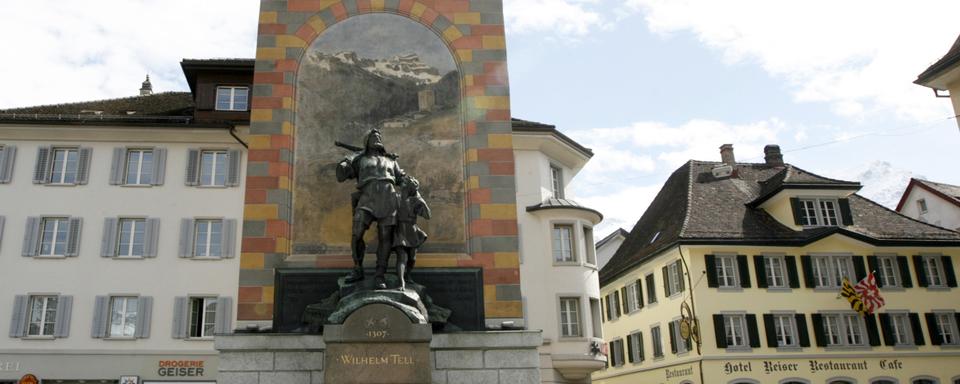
x,y
772,155
146,88
726,154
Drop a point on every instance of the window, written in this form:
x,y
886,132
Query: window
x,y
934,271
131,237
213,170
735,331
616,352
843,329
900,329
563,243
613,305
818,212
727,271
943,328
556,181
922,206
54,236
829,271
62,165
139,167
785,330
591,249
232,98
123,316
42,316
635,347
657,343
888,271
570,317
673,278
678,344
775,271
208,237
203,316
651,290
595,317
634,297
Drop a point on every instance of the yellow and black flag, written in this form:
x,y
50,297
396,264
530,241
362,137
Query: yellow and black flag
x,y
856,302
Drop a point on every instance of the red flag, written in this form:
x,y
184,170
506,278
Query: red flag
x,y
869,293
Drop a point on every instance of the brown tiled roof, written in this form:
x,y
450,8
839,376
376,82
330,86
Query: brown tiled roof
x,y
157,104
948,192
946,62
694,207
947,189
794,177
520,125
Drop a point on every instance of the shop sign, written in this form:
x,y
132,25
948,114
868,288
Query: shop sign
x,y
9,366
679,372
180,368
778,366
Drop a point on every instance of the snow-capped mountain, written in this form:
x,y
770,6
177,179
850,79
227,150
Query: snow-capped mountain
x,y
882,182
406,66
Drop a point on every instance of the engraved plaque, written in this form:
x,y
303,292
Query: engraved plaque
x,y
377,344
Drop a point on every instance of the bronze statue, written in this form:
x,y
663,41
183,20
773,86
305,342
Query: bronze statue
x,y
408,236
376,199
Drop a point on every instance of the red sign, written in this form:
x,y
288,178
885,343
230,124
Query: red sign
x,y
28,379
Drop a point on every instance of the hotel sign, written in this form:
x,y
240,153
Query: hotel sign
x,y
811,365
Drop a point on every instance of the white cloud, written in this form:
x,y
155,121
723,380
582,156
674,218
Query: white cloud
x,y
562,17
622,207
63,51
861,56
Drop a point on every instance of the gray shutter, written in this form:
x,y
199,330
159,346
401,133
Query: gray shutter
x,y
151,237
41,169
64,307
2,222
117,166
31,237
181,310
6,163
186,238
73,236
193,167
224,315
18,318
233,168
108,244
145,307
101,316
159,165
83,165
228,238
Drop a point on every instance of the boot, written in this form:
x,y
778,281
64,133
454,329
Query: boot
x,y
379,281
355,275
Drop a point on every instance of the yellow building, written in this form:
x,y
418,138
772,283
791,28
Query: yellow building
x,y
748,260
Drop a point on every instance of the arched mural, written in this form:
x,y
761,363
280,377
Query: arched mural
x,y
387,72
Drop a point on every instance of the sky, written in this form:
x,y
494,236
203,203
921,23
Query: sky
x,y
647,84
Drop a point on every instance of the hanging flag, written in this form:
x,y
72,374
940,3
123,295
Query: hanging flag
x,y
869,293
856,302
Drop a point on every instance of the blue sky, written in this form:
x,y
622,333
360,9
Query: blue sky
x,y
648,84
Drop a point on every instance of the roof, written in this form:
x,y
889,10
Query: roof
x,y
694,207
796,178
613,235
157,104
948,192
553,203
535,127
190,67
945,63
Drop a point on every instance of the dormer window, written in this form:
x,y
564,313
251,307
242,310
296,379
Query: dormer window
x,y
556,181
231,98
818,212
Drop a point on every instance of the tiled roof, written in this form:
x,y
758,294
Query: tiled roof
x,y
519,125
947,192
157,104
946,62
694,207
553,203
619,232
792,176
947,189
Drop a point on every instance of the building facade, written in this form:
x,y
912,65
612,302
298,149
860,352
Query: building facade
x,y
121,236
931,202
609,245
943,77
733,276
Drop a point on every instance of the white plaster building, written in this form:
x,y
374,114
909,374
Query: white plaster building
x,y
608,246
559,284
932,203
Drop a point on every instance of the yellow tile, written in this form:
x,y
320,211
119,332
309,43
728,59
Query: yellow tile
x,y
260,211
506,260
268,17
287,128
326,3
473,182
251,261
259,141
489,293
468,80
267,294
465,55
290,41
499,140
492,102
469,18
417,9
436,262
494,42
260,114
284,183
376,5
317,23
451,34
283,245
471,155
271,53
498,211
287,102
503,309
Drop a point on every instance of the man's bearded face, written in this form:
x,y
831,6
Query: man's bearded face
x,y
374,141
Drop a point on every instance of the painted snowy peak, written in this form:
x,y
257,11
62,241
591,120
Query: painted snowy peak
x,y
407,67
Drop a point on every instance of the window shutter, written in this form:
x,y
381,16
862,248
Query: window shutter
x,y
18,317
630,349
603,310
616,304
73,236
711,261
117,166
610,362
639,337
639,293
808,280
933,329
144,314
623,301
101,316
859,268
671,326
151,237
718,331
680,275
797,210
3,221
108,244
64,308
948,271
846,216
31,237
233,168
181,310
666,282
186,238
229,238
752,330
193,166
83,165
792,275
224,315
651,289
206,94
41,169
905,280
803,335
917,330
872,267
921,270
818,333
759,266
7,157
744,271
770,330
159,165
886,329
873,335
